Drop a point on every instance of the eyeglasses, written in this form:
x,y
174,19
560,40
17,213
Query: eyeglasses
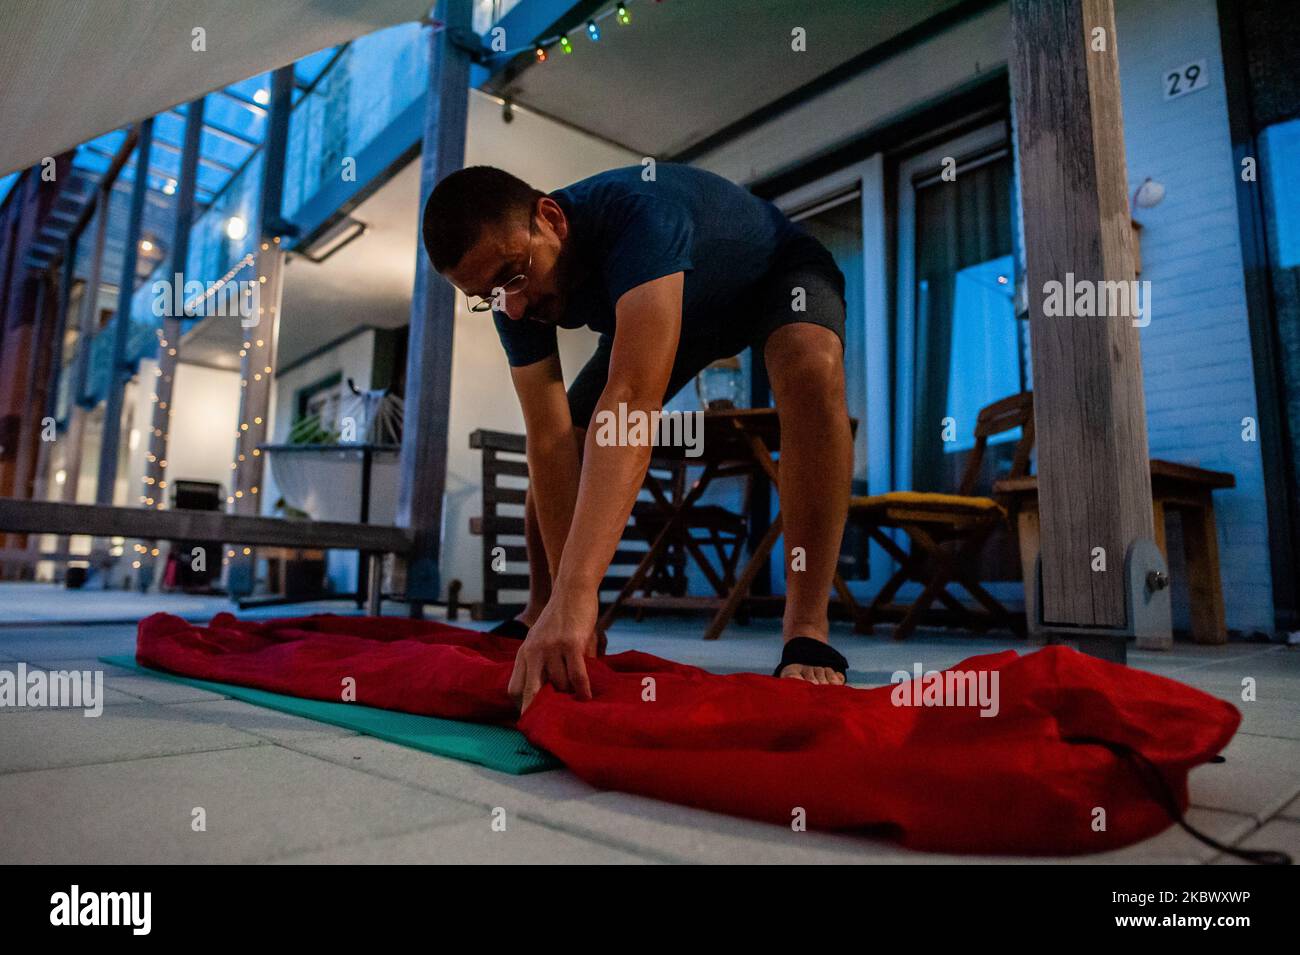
x,y
511,287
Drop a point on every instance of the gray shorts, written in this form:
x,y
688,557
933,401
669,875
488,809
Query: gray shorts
x,y
802,263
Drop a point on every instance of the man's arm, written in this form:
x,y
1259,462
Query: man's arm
x,y
552,450
649,321
645,344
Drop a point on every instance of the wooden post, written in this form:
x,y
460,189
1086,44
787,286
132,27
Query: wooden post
x,y
169,346
1090,415
433,316
40,489
74,442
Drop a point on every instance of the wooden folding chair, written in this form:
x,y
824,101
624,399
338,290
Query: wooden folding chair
x,y
947,533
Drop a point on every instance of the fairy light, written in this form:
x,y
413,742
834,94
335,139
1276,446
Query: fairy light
x,y
592,28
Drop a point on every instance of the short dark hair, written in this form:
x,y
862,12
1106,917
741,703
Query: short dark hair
x,y
466,201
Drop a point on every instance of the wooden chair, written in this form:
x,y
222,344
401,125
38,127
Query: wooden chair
x,y
947,532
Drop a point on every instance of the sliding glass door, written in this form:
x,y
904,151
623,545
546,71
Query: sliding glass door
x,y
959,345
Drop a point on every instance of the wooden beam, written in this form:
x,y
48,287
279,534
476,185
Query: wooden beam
x,y
1089,409
97,520
433,315
118,369
169,349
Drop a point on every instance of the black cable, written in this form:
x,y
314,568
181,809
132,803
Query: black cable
x,y
1156,782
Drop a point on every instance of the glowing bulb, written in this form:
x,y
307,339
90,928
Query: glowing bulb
x,y
236,228
262,97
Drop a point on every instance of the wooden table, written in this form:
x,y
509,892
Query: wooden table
x,y
1182,488
737,442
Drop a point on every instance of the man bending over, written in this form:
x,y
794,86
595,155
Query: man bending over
x,y
674,272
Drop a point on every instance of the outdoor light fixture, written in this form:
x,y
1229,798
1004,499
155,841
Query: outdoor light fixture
x,y
541,54
339,234
146,245
565,45
623,18
236,228
262,97
169,188
1149,194
593,31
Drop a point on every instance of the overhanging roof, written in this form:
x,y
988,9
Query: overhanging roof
x,y
72,70
682,74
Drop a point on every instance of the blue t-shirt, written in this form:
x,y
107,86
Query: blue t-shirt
x,y
626,231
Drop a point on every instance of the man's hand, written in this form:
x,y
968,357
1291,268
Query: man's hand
x,y
554,650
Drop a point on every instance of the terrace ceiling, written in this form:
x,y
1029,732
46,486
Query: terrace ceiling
x,y
682,72
72,70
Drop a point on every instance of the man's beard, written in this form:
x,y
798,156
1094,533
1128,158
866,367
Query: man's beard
x,y
552,309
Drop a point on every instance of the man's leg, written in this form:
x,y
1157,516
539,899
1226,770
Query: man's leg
x,y
805,363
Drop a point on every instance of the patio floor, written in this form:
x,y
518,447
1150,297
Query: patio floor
x,y
277,788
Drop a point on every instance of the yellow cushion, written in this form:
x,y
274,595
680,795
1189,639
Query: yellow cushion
x,y
925,500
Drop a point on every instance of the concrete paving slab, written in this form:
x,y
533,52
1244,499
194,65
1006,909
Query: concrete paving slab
x,y
1260,776
1282,835
519,795
473,842
260,802
268,724
50,738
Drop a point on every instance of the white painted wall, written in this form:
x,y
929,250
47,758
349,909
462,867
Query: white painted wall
x,y
354,359
1196,352
871,99
202,435
547,155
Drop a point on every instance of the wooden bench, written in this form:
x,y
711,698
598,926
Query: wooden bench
x,y
501,525
140,523
1181,488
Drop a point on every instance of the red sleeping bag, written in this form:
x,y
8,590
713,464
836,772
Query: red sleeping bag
x,y
940,778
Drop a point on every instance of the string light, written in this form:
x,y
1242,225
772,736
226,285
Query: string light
x,y
619,11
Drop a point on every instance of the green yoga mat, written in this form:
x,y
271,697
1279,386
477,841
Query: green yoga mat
x,y
493,746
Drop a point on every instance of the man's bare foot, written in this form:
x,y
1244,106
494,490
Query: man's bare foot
x,y
798,671
813,661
